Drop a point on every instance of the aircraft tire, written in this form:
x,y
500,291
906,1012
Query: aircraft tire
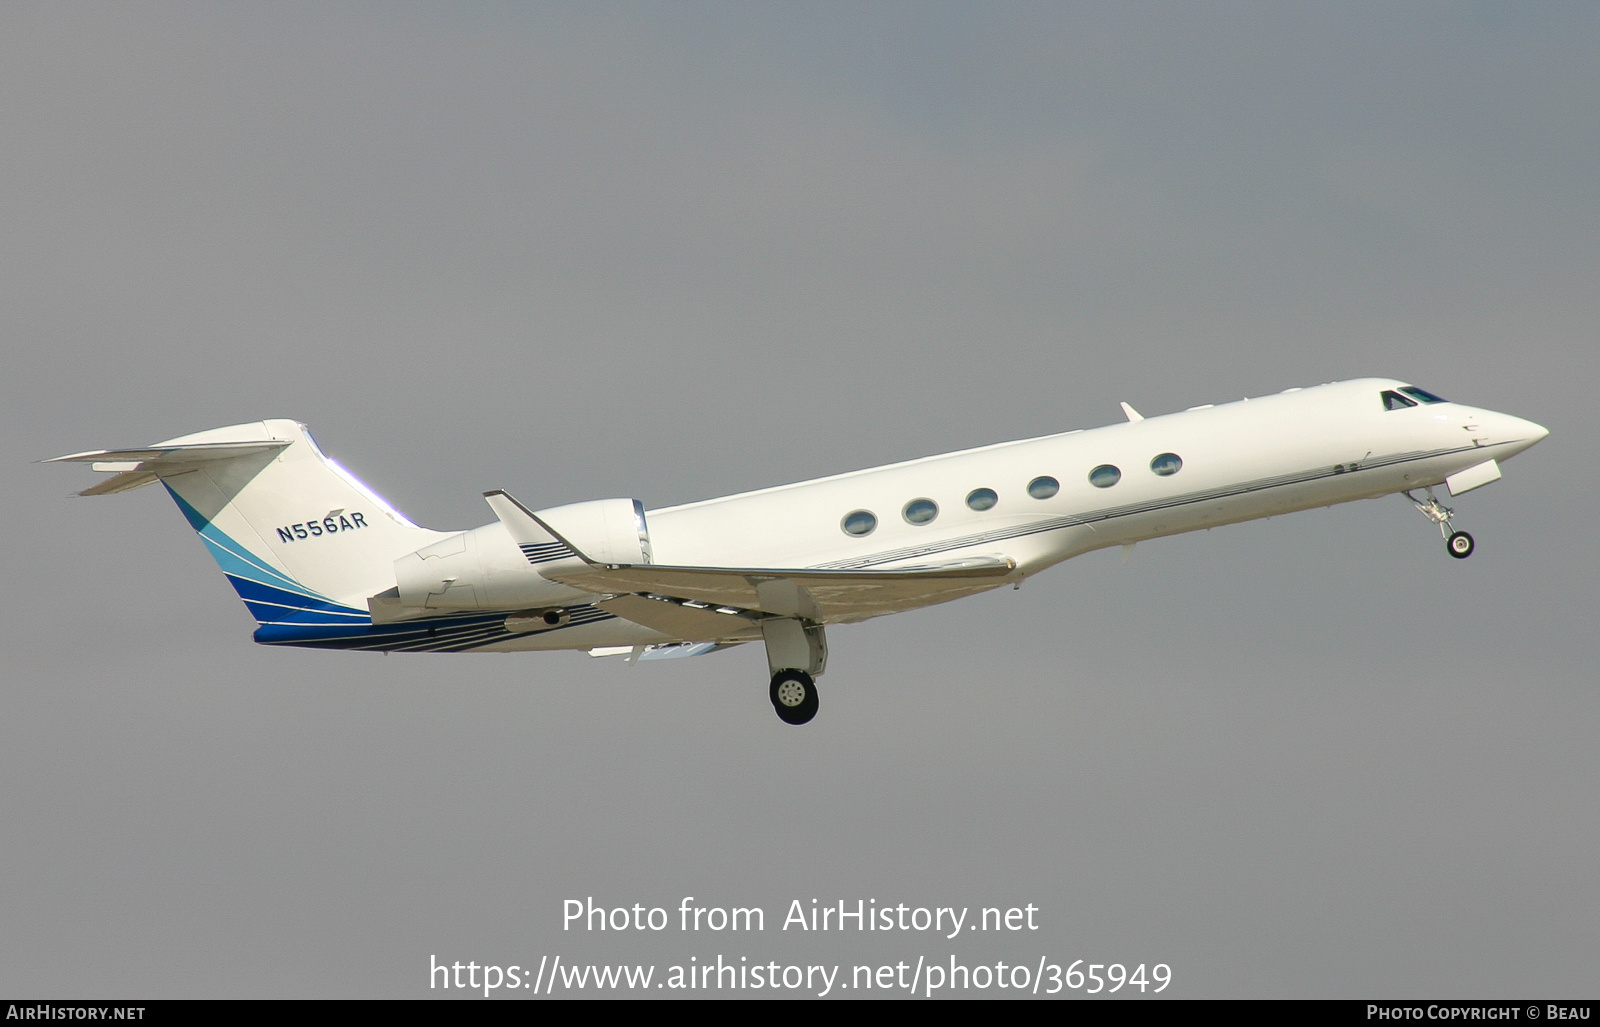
x,y
1460,545
794,696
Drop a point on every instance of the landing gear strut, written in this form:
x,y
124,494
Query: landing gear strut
x,y
793,644
1457,543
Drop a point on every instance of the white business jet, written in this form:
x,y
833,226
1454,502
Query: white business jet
x,y
322,561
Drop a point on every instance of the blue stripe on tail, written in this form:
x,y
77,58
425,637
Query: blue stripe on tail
x,y
444,634
290,614
271,596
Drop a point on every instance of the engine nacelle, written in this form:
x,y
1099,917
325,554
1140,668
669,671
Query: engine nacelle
x,y
483,569
604,530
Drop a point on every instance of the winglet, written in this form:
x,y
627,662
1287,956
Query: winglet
x,y
525,527
1133,415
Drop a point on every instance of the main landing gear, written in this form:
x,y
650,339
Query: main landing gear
x,y
797,653
1457,543
794,696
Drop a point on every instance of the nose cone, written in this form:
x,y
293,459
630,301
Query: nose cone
x,y
1519,433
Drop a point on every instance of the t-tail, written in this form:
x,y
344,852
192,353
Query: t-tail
x,y
301,540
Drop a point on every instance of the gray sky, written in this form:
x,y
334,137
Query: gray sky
x,y
672,252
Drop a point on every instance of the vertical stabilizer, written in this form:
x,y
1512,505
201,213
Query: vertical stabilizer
x,y
299,538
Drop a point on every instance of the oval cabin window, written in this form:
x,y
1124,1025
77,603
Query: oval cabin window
x,y
1167,463
859,523
1104,476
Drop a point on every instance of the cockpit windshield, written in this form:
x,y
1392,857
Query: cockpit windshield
x,y
1394,401
1422,394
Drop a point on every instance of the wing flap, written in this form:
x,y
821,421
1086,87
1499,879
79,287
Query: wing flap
x,y
678,650
681,622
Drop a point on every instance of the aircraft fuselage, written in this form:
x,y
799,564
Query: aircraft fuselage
x,y
322,561
1239,461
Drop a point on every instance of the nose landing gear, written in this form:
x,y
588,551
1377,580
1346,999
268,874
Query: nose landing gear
x,y
1457,543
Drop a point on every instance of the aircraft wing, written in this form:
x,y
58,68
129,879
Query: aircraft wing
x,y
816,595
717,598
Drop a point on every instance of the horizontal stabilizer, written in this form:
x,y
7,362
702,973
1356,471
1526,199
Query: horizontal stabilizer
x,y
120,483
136,467
192,453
